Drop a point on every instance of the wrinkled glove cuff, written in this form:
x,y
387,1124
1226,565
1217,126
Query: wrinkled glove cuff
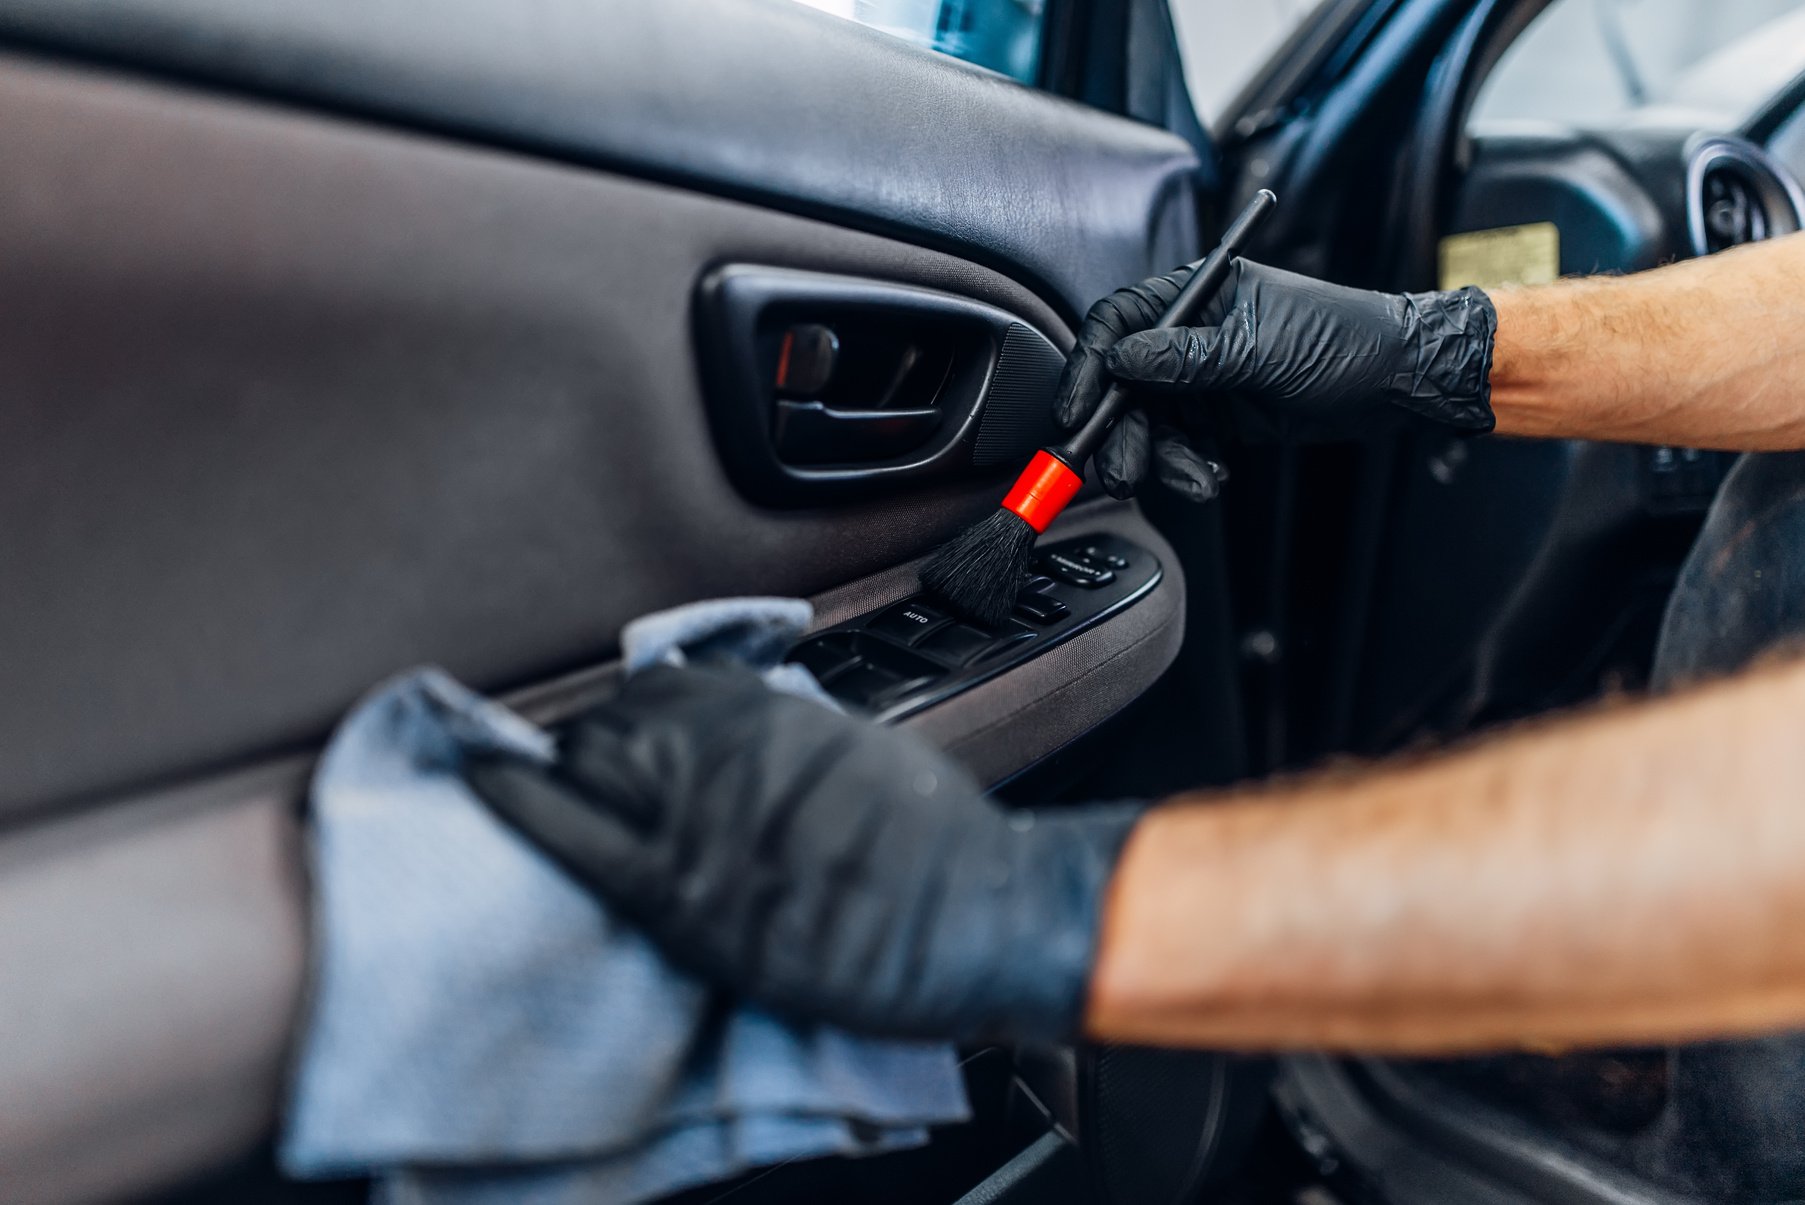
x,y
1451,335
1039,982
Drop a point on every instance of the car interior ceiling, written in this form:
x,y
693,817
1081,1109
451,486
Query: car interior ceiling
x,y
376,229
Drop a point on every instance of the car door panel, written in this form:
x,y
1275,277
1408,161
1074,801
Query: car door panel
x,y
294,399
155,955
339,401
760,99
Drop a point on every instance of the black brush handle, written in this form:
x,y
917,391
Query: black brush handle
x,y
1204,282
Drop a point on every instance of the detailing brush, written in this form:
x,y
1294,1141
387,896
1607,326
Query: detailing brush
x,y
979,572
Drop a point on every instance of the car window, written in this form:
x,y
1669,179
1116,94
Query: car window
x,y
1585,62
1224,42
1003,35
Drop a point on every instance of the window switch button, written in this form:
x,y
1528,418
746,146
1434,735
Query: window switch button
x,y
907,622
863,683
1041,608
824,656
1006,644
958,643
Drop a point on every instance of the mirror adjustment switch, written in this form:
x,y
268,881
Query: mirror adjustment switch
x,y
824,656
1077,570
908,622
958,643
1041,608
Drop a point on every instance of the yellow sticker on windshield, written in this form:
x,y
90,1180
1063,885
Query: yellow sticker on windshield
x,y
1508,255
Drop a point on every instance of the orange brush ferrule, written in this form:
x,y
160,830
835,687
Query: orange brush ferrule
x,y
1043,489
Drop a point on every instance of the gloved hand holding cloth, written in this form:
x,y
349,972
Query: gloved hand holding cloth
x,y
1285,345
817,863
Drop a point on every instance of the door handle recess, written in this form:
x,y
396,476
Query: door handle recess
x,y
821,386
809,433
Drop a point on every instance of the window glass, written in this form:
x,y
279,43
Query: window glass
x,y
1225,42
1593,61
1003,35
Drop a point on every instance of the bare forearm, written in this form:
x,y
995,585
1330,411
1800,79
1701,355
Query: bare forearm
x,y
1637,875
1705,353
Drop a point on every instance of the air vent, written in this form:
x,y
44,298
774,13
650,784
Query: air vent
x,y
1737,193
1734,215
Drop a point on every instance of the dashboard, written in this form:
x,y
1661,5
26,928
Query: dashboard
x,y
1631,198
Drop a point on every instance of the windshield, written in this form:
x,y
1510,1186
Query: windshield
x,y
1588,62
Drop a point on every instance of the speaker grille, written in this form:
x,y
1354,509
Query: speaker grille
x,y
1018,413
1157,1125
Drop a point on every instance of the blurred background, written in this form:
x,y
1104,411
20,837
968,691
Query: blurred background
x,y
1662,51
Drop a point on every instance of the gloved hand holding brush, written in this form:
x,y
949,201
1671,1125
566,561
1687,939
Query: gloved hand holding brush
x,y
1281,342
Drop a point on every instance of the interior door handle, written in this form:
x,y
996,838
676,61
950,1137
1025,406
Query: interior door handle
x,y
822,386
816,433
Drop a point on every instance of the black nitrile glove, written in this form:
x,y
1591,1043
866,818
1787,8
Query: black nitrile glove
x,y
1300,348
819,864
1123,459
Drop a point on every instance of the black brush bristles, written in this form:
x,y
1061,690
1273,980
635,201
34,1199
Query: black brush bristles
x,y
979,572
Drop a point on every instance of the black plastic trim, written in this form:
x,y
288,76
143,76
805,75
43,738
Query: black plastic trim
x,y
1775,112
1049,1172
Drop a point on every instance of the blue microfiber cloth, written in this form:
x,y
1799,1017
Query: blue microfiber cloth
x,y
482,1030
